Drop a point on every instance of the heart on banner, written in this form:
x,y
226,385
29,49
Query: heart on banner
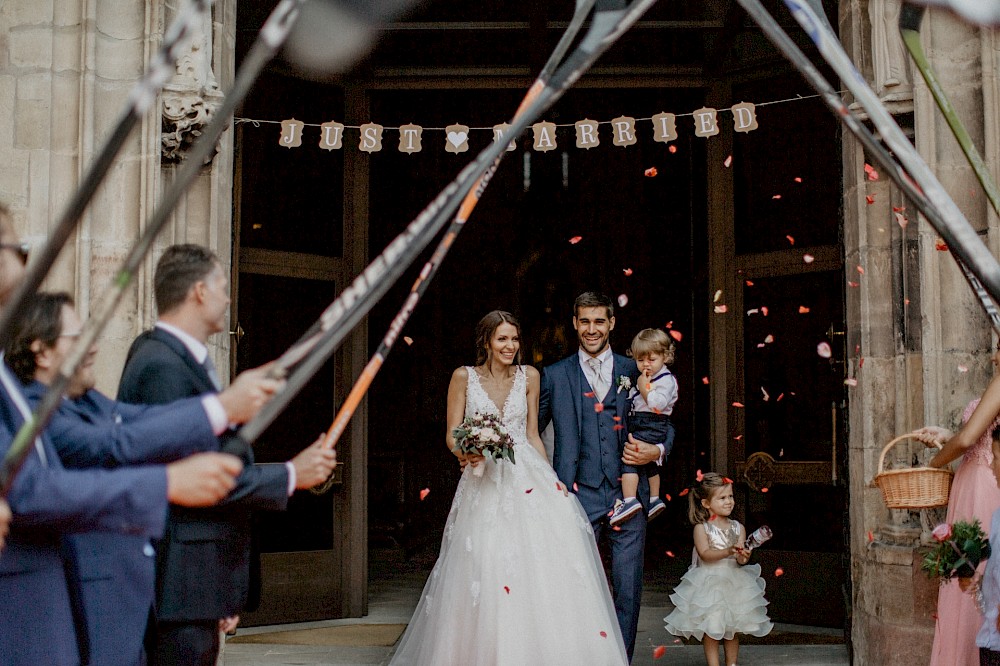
x,y
457,138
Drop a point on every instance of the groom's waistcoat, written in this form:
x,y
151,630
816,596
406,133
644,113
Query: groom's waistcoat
x,y
600,448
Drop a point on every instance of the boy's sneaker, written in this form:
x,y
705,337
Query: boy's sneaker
x,y
624,510
656,507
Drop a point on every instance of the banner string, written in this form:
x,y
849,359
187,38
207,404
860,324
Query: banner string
x,y
256,122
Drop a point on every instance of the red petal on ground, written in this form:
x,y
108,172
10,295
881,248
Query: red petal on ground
x,y
676,335
650,172
575,239
506,589
604,634
659,650
598,407
529,490
738,437
424,493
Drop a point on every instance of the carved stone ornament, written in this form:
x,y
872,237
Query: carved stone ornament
x,y
759,471
191,97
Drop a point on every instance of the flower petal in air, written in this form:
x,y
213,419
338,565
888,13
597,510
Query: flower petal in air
x,y
728,161
598,407
622,300
650,172
823,349
721,309
808,258
779,572
791,240
575,239
407,339
871,172
940,245
424,493
698,476
737,404
659,650
627,271
672,149
803,309
676,335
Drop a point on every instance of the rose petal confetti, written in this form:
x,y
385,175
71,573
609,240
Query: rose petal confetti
x,y
620,427
901,220
861,362
808,258
704,380
616,418
683,492
851,283
727,480
712,517
672,148
940,245
659,650
871,172
598,407
698,476
575,488
575,239
791,240
763,310
870,199
738,437
424,493
766,394
764,490
604,634
528,491
676,335
622,300
627,271
650,172
797,179
860,269
669,324
407,339
728,161
962,368
670,553
780,396
769,339
718,295
588,394
506,589
720,309
753,311
749,283
667,495
737,404
803,309
781,453
779,572
823,349
776,196
851,381
871,537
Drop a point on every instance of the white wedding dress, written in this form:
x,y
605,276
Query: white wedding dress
x,y
519,580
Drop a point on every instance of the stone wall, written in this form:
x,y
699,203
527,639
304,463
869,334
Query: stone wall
x,y
921,335
66,69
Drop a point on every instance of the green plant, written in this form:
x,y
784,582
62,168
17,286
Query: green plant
x,y
961,546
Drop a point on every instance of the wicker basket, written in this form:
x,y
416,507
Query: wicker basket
x,y
915,488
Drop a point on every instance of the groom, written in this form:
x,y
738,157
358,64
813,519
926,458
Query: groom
x,y
585,396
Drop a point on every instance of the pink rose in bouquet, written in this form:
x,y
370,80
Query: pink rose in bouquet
x,y
942,532
484,434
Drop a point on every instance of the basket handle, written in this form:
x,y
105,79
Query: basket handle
x,y
909,435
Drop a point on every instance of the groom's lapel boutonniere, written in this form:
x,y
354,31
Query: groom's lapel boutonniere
x,y
624,383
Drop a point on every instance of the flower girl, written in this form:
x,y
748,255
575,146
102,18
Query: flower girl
x,y
718,597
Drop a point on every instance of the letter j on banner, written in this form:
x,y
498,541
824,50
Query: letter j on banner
x,y
291,133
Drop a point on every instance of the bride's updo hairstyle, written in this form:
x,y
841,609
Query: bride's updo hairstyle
x,y
485,329
703,490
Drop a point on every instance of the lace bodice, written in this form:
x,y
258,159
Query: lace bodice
x,y
513,412
980,453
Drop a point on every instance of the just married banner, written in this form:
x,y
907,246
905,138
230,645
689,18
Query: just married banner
x,y
622,131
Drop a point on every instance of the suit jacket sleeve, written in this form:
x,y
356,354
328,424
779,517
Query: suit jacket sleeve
x,y
94,431
545,400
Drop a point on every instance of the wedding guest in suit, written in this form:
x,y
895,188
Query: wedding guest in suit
x,y
203,561
115,573
586,399
49,501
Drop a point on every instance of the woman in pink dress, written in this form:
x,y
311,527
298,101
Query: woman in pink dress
x,y
974,494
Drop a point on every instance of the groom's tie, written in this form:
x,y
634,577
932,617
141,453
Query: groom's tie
x,y
598,384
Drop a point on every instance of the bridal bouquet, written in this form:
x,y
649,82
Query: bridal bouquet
x,y
484,434
961,546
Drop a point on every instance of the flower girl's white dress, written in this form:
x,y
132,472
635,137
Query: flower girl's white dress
x,y
519,580
719,599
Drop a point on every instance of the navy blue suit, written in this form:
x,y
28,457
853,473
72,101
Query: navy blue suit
x,y
203,561
587,458
49,501
116,573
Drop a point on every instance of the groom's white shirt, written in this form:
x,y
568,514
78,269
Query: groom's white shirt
x,y
607,359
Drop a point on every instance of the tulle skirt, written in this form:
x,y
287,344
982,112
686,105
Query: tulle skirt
x,y
519,580
719,600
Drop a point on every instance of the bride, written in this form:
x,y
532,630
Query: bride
x,y
519,579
